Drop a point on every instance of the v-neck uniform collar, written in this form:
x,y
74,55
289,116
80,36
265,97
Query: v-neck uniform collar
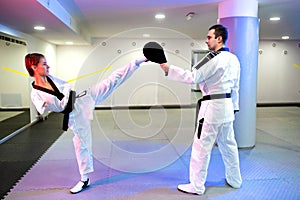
x,y
54,92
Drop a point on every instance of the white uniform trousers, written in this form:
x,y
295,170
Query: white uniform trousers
x,y
82,114
201,152
80,124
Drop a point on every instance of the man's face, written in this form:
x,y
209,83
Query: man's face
x,y
211,40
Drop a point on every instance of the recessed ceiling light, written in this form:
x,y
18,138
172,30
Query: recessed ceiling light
x,y
146,35
69,43
160,16
285,37
39,28
274,18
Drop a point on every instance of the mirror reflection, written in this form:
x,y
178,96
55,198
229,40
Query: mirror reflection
x,y
14,87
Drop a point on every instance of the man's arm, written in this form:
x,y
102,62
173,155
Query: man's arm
x,y
178,74
235,88
197,75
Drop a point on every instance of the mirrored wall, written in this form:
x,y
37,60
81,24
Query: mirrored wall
x,y
14,85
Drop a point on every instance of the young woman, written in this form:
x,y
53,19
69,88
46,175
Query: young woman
x,y
52,94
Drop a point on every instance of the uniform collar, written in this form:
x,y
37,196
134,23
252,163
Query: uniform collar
x,y
56,91
223,49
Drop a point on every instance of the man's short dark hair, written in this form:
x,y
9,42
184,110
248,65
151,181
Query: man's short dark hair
x,y
220,30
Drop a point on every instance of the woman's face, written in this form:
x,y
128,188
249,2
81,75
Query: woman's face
x,y
42,69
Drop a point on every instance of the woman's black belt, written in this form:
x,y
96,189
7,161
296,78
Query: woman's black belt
x,y
69,107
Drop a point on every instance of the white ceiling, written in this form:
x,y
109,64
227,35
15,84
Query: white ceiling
x,y
87,19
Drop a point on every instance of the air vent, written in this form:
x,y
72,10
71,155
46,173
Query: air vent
x,y
12,40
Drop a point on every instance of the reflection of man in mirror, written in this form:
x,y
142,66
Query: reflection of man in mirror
x,y
52,94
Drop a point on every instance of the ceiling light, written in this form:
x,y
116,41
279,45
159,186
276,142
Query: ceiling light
x,y
146,35
285,37
39,28
274,18
160,16
69,43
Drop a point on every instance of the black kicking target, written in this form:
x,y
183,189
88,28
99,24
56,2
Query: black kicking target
x,y
154,52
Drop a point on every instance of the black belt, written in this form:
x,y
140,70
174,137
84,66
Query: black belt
x,y
216,96
69,107
204,98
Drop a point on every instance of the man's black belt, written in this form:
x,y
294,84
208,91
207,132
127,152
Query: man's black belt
x,y
204,98
210,97
216,96
69,107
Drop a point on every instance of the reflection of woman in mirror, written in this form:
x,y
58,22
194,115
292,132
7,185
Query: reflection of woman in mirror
x,y
52,94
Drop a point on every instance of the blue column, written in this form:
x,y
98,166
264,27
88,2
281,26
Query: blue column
x,y
240,17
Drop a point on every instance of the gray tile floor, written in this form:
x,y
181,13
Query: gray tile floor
x,y
144,154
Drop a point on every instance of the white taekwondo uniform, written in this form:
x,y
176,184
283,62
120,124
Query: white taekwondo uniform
x,y
217,73
85,101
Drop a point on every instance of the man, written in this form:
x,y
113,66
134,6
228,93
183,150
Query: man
x,y
52,94
218,76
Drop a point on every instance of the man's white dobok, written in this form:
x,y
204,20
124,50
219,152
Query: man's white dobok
x,y
218,75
